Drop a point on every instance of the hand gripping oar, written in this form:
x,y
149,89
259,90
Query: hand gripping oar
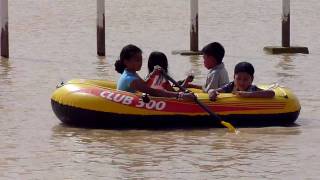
x,y
203,106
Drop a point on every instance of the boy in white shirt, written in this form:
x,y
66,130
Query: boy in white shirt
x,y
213,54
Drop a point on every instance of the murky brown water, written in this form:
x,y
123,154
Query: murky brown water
x,y
52,41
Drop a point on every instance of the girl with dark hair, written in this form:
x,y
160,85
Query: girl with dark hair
x,y
157,58
155,79
129,63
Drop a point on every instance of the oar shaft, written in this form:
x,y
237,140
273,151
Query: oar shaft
x,y
173,81
204,107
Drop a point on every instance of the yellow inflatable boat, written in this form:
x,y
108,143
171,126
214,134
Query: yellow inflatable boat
x,y
97,103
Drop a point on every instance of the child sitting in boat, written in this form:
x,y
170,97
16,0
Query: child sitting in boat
x,y
242,84
217,76
129,63
155,79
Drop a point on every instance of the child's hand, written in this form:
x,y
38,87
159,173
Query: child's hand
x,y
157,67
156,70
186,82
189,96
186,96
189,79
213,94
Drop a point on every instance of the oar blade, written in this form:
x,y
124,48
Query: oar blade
x,y
229,126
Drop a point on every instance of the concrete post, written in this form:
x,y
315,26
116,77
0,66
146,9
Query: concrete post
x,y
101,28
194,34
285,42
286,23
4,28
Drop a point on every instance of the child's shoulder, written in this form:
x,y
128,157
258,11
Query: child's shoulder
x,y
220,71
221,66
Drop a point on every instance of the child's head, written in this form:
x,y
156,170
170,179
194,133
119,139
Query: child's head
x,y
130,58
213,54
157,58
243,75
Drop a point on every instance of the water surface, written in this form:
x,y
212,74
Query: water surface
x,y
52,41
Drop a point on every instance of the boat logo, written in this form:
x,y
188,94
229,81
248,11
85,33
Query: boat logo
x,y
133,101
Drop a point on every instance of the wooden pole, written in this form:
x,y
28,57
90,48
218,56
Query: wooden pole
x,y
285,23
194,36
4,28
285,43
101,28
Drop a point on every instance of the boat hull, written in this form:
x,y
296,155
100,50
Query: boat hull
x,y
88,118
95,103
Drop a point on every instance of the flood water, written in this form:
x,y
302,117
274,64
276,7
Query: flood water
x,y
52,41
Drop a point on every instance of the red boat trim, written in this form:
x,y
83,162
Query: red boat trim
x,y
161,104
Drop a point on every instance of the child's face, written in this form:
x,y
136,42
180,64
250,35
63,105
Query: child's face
x,y
209,61
134,63
242,81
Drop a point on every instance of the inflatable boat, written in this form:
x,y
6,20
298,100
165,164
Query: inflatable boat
x,y
97,103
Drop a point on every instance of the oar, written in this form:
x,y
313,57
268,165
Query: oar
x,y
203,106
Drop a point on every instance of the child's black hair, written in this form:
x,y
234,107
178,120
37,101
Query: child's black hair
x,y
126,53
214,49
244,67
157,58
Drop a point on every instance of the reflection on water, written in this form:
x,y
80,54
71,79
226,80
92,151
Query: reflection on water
x,y
5,79
102,66
287,62
5,68
196,66
286,67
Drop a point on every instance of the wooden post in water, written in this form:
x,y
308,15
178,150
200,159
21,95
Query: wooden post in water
x,y
194,33
285,42
4,36
285,23
101,28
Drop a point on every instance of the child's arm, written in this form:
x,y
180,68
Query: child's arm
x,y
141,86
213,93
194,86
150,77
256,94
170,88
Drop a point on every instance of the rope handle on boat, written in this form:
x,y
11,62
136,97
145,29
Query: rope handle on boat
x,y
62,83
276,85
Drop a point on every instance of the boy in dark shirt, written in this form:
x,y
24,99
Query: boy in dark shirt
x,y
242,84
